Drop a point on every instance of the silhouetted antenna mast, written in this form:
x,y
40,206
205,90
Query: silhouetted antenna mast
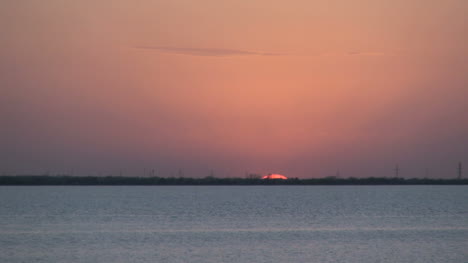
x,y
397,170
460,170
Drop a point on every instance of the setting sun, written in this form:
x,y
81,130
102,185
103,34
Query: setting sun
x,y
275,176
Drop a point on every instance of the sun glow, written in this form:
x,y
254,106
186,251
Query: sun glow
x,y
275,176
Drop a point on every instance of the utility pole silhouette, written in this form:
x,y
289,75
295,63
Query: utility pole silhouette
x,y
397,170
460,170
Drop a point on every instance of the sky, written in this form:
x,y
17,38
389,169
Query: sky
x,y
196,88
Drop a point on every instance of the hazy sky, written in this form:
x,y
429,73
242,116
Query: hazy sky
x,y
299,87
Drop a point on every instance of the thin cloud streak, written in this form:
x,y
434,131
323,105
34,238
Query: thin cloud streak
x,y
207,52
355,54
221,52
365,53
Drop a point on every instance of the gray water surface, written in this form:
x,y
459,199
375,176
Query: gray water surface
x,y
234,224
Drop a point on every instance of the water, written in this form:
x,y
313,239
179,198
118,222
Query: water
x,y
234,224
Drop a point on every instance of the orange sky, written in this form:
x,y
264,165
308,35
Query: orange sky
x,y
301,88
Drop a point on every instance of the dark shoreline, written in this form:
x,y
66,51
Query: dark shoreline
x,y
122,180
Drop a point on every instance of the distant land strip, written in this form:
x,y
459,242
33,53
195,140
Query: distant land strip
x,y
127,180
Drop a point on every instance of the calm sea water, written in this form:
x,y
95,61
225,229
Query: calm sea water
x,y
234,224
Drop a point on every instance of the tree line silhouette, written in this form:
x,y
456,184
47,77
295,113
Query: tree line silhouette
x,y
211,180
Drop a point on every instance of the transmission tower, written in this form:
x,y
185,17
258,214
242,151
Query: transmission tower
x,y
460,170
397,170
